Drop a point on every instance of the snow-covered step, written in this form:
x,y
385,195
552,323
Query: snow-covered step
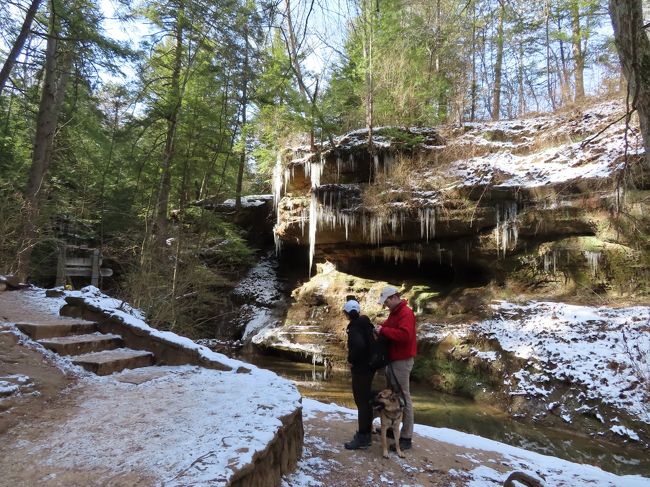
x,y
38,331
82,344
109,361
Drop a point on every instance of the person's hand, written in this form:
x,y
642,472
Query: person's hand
x,y
349,365
378,329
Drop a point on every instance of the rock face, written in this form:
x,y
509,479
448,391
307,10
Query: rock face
x,y
457,217
471,197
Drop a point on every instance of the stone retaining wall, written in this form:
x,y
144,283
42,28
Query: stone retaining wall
x,y
167,352
279,458
269,465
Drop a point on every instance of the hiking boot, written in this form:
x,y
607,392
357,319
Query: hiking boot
x,y
361,441
404,444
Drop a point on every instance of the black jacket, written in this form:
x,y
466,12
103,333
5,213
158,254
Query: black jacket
x,y
359,343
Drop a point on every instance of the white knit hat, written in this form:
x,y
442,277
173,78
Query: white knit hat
x,y
352,305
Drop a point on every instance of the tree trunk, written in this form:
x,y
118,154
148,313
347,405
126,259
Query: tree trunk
x,y
367,54
521,106
18,43
578,52
472,115
244,102
565,85
498,64
549,86
56,74
292,48
162,203
633,48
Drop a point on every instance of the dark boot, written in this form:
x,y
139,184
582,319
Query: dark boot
x,y
361,441
389,432
404,444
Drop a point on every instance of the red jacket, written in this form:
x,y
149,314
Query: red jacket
x,y
399,328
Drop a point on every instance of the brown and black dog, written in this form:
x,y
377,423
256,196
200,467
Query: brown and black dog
x,y
387,406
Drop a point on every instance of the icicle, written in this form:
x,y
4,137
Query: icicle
x,y
388,162
593,261
339,163
427,222
313,222
277,180
276,240
507,231
277,195
375,159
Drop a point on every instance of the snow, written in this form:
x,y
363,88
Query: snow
x,y
250,201
186,425
200,438
604,350
179,426
553,471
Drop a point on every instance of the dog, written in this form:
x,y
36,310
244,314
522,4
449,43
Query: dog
x,y
387,406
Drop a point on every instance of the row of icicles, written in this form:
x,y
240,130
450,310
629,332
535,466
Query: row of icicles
x,y
372,225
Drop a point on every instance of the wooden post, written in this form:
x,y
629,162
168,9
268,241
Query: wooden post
x,y
94,277
60,267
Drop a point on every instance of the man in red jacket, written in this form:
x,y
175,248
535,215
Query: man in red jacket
x,y
399,328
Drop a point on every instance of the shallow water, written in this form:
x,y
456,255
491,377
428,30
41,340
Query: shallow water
x,y
446,411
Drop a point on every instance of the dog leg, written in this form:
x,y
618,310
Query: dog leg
x,y
384,440
396,433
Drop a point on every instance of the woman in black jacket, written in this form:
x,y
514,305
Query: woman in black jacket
x,y
359,352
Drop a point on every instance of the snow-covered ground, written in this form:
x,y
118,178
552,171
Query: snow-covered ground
x,y
603,350
496,459
183,425
210,437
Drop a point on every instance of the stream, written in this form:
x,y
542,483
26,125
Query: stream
x,y
447,411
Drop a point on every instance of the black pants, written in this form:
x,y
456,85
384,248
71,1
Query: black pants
x,y
361,390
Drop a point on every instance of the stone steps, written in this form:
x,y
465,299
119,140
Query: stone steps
x,y
82,344
94,351
109,361
38,331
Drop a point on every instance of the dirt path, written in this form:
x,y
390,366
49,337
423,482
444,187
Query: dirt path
x,y
74,430
428,463
49,398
